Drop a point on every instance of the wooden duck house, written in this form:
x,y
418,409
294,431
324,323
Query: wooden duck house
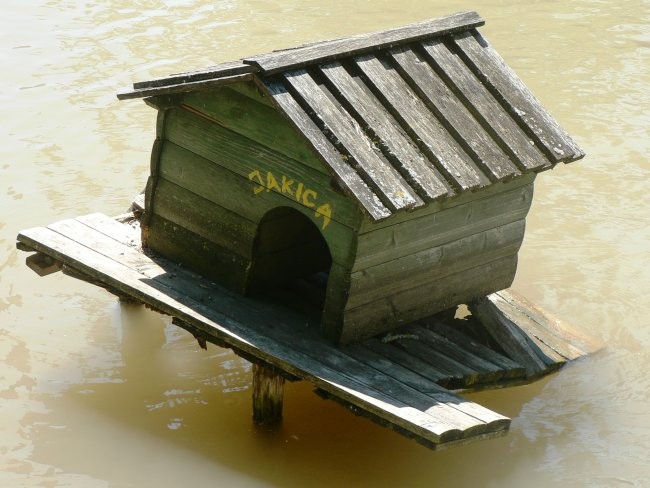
x,y
399,165
385,177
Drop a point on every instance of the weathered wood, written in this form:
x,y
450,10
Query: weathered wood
x,y
396,145
429,419
184,87
261,123
312,53
450,224
516,344
266,170
516,98
484,107
268,395
567,339
42,264
453,115
378,173
426,299
347,178
416,269
419,122
510,368
207,219
236,194
229,68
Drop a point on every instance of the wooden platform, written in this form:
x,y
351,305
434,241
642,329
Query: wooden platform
x,y
401,380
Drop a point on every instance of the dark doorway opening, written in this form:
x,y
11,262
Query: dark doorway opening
x,y
291,261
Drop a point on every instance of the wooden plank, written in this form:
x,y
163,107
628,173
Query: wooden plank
x,y
485,195
184,87
42,264
450,159
448,225
348,179
488,372
231,191
254,162
204,218
417,269
484,107
396,145
411,378
268,395
453,115
312,53
510,368
197,253
261,123
436,423
415,303
509,336
522,105
368,160
571,342
229,68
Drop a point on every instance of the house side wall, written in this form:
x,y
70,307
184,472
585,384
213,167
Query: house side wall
x,y
221,160
413,268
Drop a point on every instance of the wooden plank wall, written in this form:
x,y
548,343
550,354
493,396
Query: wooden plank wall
x,y
409,269
221,160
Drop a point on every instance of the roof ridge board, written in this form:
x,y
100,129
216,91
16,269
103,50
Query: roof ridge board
x,y
300,56
230,68
184,87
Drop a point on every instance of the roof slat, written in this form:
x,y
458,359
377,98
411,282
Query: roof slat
x,y
490,114
449,110
328,50
346,176
520,102
455,165
416,169
230,68
377,172
184,87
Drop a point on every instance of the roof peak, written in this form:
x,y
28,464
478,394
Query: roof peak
x,y
305,55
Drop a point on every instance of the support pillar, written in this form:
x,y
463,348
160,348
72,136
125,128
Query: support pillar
x,y
268,393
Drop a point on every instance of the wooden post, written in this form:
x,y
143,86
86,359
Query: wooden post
x,y
268,392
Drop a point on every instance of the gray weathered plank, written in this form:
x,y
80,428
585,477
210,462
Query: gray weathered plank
x,y
450,159
319,52
229,68
347,178
516,344
398,147
184,87
447,225
377,172
487,110
454,115
522,105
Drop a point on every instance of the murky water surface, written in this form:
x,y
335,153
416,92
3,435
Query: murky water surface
x,y
93,394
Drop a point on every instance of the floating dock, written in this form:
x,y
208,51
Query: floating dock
x,y
402,380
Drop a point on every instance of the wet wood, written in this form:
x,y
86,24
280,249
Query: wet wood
x,y
268,395
184,87
319,52
42,264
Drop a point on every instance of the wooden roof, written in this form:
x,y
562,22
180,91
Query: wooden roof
x,y
402,117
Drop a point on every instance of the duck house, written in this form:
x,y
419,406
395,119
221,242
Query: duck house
x,y
324,210
397,167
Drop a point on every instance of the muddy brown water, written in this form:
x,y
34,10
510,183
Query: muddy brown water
x,y
94,394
